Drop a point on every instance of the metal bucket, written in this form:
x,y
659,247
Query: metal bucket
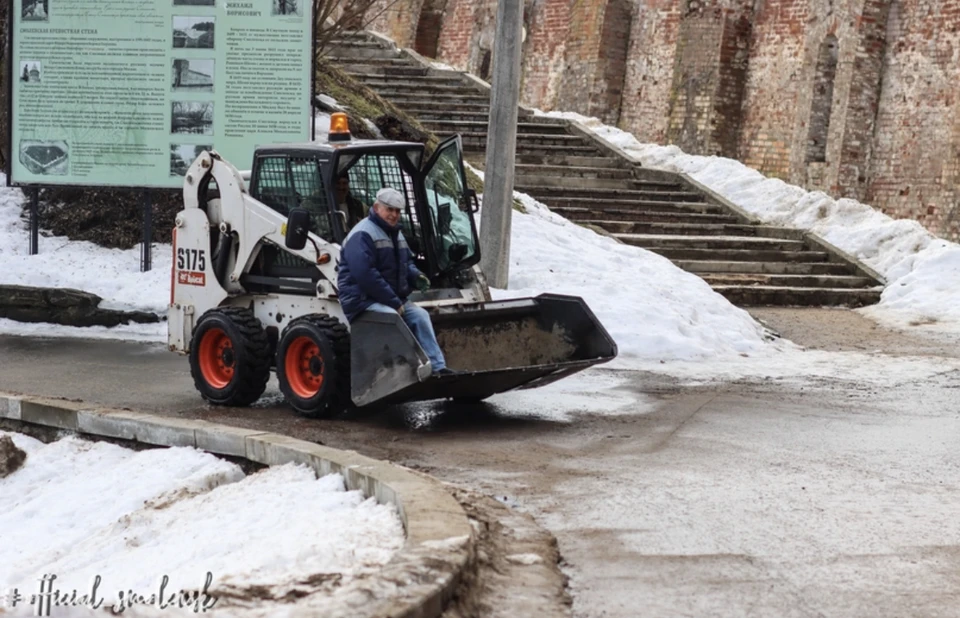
x,y
497,346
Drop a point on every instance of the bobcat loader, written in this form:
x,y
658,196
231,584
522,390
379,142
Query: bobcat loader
x,y
254,285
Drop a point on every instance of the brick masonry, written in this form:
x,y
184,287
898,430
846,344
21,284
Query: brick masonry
x,y
858,98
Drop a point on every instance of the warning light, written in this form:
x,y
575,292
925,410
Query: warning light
x,y
339,127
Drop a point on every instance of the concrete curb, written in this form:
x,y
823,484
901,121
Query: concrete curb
x,y
719,200
419,580
842,255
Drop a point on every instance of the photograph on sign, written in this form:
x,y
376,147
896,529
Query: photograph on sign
x,y
34,10
193,31
182,156
45,157
30,71
191,117
193,74
287,7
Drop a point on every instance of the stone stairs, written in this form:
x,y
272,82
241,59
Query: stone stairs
x,y
589,181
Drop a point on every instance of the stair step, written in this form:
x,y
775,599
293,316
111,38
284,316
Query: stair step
x,y
348,65
418,86
439,98
357,42
529,141
663,191
793,281
764,296
707,266
535,172
748,243
346,54
667,215
379,71
675,229
481,126
602,208
581,182
739,255
576,161
425,80
580,150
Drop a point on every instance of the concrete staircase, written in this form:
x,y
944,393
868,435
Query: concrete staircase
x,y
587,180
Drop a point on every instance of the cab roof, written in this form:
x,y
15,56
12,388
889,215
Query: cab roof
x,y
352,146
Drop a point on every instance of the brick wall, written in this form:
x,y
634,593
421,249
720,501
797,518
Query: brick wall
x,y
467,33
914,166
427,41
544,53
607,91
876,82
644,110
397,20
709,77
776,80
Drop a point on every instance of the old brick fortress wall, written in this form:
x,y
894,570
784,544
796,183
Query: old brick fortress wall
x,y
858,98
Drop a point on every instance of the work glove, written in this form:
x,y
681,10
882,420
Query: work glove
x,y
422,283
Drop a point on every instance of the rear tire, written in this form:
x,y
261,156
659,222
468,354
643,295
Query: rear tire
x,y
313,366
230,357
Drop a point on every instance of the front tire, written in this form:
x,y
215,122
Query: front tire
x,y
230,357
313,366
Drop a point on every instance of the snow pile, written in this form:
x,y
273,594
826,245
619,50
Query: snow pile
x,y
921,270
651,308
90,508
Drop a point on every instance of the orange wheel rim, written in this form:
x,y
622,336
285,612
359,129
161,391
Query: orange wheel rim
x,y
304,367
217,358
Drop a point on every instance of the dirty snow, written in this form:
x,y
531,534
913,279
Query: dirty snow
x,y
80,509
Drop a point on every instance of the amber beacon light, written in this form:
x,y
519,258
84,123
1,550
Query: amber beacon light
x,y
339,127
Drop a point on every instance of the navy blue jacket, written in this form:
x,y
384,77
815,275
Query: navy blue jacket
x,y
376,266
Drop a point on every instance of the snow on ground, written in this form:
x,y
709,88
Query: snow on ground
x,y
113,274
922,271
83,509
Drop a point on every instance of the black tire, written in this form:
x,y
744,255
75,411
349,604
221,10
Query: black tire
x,y
230,357
313,366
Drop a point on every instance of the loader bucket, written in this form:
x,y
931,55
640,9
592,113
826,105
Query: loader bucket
x,y
499,346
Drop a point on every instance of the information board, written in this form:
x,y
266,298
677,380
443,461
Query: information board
x,y
128,92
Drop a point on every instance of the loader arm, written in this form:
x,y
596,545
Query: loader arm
x,y
252,221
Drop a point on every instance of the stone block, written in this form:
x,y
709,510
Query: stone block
x,y
225,440
10,407
63,297
144,428
62,415
273,449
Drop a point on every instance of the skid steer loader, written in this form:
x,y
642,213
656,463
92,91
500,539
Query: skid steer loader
x,y
254,285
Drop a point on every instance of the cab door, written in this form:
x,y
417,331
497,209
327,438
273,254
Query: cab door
x,y
448,205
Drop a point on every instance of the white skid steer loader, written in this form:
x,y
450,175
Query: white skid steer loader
x,y
254,285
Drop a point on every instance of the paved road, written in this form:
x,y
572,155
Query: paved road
x,y
826,497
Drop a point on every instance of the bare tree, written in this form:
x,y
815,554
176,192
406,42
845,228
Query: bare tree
x,y
334,17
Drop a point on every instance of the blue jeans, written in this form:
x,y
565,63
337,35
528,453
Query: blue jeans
x,y
418,320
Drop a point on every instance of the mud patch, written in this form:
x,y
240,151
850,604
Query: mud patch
x,y
517,572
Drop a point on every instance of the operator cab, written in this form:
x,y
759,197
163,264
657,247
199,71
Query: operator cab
x,y
437,220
